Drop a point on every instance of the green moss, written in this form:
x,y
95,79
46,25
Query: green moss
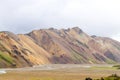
x,y
103,68
112,77
77,57
110,61
6,57
117,66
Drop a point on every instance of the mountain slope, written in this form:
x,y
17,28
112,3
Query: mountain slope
x,y
52,46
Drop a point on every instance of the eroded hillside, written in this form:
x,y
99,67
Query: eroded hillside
x,y
52,46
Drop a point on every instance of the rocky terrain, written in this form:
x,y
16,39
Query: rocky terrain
x,y
52,46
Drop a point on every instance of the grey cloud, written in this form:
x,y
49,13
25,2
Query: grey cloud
x,y
100,17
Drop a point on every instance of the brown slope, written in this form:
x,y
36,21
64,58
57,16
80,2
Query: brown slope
x,y
109,48
21,51
52,46
10,53
36,55
77,46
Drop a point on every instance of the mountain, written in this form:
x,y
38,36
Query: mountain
x,y
52,46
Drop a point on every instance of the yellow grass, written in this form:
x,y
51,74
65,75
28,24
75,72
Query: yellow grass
x,y
58,74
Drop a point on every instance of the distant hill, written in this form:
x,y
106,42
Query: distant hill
x,y
52,46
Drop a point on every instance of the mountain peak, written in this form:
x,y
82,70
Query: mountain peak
x,y
51,28
10,34
77,29
93,36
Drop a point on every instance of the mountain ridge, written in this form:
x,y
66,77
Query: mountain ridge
x,y
53,46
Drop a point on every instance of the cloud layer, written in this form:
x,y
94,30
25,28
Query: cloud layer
x,y
100,17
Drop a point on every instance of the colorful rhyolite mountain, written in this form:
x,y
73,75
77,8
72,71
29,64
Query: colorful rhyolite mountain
x,y
52,46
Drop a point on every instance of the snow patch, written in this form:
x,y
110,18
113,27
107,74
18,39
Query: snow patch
x,y
2,72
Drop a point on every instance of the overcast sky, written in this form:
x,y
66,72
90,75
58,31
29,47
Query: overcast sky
x,y
98,17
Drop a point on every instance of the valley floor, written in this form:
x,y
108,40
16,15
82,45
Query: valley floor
x,y
59,72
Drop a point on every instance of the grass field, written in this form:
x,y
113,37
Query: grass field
x,y
59,72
